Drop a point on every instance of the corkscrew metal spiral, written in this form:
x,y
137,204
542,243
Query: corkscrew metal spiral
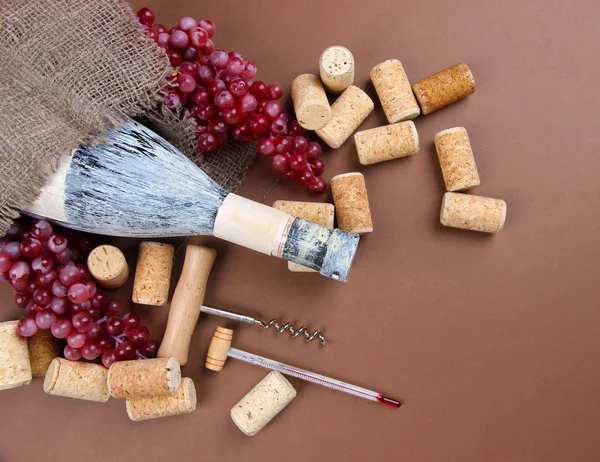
x,y
287,327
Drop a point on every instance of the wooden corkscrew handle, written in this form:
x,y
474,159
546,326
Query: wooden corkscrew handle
x,y
187,299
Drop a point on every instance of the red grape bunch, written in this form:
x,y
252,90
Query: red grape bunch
x,y
218,89
60,295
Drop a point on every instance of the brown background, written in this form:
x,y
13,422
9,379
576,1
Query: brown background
x,y
491,341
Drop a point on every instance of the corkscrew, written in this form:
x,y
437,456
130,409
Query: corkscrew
x,y
280,329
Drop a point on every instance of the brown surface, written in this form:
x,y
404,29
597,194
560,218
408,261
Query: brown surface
x,y
492,341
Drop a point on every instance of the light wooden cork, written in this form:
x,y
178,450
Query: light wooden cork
x,y
182,401
336,67
261,404
394,91
387,142
153,273
15,369
473,212
444,88
347,113
150,377
310,102
108,266
456,159
43,348
317,212
351,203
76,379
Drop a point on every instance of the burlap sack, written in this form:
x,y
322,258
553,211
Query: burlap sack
x,y
69,69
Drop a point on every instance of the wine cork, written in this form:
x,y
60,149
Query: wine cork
x,y
351,203
15,369
218,348
182,401
347,113
456,159
150,377
444,88
108,266
394,91
310,102
76,379
387,142
336,67
473,212
261,404
153,273
322,214
43,348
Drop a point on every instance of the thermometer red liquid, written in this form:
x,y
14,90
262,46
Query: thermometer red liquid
x,y
312,377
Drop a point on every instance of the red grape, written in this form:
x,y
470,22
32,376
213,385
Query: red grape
x,y
219,59
125,351
146,16
99,300
41,230
208,26
186,83
207,142
258,123
318,186
5,262
76,339
280,162
69,275
27,327
172,99
22,300
59,305
72,354
186,23
61,328
19,271
78,293
273,109
298,162
42,296
56,243
83,322
91,286
80,307
318,166
108,358
279,127
178,39
131,321
31,247
249,72
306,177
114,325
46,280
188,68
198,36
59,289
259,90
238,87
91,350
45,318
138,336
265,146
150,349
275,91
84,273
